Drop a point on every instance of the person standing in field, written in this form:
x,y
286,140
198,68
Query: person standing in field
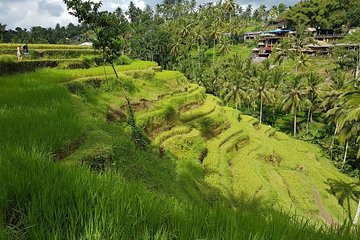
x,y
26,50
19,53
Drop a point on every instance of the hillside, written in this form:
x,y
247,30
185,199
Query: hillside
x,y
69,163
242,159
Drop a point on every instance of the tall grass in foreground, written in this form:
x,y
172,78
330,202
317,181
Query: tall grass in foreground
x,y
47,201
40,199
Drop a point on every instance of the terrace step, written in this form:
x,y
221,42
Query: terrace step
x,y
162,137
208,107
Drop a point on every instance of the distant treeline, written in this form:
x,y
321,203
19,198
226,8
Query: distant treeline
x,y
60,34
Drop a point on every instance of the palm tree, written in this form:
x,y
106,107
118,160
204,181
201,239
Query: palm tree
x,y
356,219
301,61
330,101
176,47
261,84
312,92
235,85
349,123
293,100
276,79
215,34
234,91
224,46
282,51
198,36
229,7
335,114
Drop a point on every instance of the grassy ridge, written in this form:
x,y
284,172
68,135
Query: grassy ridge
x,y
42,46
139,196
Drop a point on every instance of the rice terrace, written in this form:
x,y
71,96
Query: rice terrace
x,y
180,120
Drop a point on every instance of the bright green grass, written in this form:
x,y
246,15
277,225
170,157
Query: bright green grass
x,y
137,195
254,161
42,46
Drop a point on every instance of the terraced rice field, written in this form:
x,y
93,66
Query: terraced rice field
x,y
246,159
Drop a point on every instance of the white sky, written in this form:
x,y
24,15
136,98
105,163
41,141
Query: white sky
x,y
47,13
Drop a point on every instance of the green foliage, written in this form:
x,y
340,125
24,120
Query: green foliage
x,y
170,113
328,14
80,204
122,60
108,28
137,135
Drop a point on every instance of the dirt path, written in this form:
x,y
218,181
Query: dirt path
x,y
323,213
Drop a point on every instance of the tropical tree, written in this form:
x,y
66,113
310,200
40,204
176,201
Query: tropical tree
x,y
235,85
349,120
261,84
312,92
230,7
276,80
108,28
2,31
294,99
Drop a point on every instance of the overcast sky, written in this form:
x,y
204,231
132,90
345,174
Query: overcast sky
x,y
46,13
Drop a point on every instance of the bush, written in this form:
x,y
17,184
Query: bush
x,y
170,113
122,60
88,60
207,126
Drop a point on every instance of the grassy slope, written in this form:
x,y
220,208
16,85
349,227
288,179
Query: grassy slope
x,y
138,194
257,162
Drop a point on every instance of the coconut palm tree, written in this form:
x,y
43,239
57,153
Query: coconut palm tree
x,y
276,80
301,61
230,7
349,121
294,98
224,46
312,93
215,34
261,84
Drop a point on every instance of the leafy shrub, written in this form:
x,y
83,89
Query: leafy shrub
x,y
170,113
129,86
88,60
206,126
122,60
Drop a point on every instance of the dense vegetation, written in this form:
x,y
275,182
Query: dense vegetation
x,y
101,184
104,147
328,14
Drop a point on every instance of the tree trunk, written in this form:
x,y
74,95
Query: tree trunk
x,y
236,104
295,123
345,153
356,219
261,107
273,112
105,71
357,64
113,67
308,120
199,62
333,140
214,52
